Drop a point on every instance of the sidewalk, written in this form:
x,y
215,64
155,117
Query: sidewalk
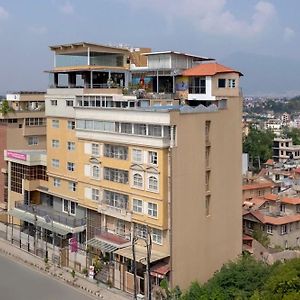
x,y
99,291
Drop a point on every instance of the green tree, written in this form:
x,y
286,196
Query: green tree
x,y
258,144
261,236
284,282
293,133
5,108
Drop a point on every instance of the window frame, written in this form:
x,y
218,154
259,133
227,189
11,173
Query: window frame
x,y
152,211
139,209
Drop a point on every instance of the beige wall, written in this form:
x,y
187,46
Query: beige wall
x,y
201,244
225,92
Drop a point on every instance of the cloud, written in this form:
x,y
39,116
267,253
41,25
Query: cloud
x,y
67,8
288,33
3,13
39,30
213,17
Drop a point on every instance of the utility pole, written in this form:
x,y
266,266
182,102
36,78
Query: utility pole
x,y
149,248
134,239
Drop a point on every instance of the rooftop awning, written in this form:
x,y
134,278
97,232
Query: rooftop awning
x,y
103,246
141,254
28,217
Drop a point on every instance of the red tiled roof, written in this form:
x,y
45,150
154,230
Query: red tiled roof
x,y
287,200
160,269
112,238
274,220
257,186
269,162
209,69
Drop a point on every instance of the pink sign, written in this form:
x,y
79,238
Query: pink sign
x,y
74,244
16,155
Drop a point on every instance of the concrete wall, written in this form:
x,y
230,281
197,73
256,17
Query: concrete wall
x,y
201,244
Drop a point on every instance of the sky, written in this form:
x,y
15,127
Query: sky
x,y
260,38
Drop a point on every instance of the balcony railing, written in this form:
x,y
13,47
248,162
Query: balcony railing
x,y
121,232
52,214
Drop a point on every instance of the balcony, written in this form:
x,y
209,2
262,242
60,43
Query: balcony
x,y
47,217
34,130
119,213
296,185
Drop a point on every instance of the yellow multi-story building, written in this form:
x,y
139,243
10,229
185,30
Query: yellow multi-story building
x,y
145,169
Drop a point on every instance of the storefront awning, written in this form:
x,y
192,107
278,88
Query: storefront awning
x,y
160,270
141,254
28,217
101,245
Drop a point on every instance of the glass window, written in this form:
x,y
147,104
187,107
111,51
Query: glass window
x,y
72,208
95,149
137,155
156,236
55,143
96,172
113,151
154,130
56,182
55,123
126,128
137,205
71,124
231,83
53,102
71,146
269,228
65,206
72,186
55,163
153,183
138,180
141,231
116,175
95,194
69,103
222,83
140,129
116,200
70,166
152,157
33,140
283,229
152,209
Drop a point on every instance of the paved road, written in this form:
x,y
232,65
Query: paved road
x,y
18,282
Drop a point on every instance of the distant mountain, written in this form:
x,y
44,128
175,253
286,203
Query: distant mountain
x,y
266,75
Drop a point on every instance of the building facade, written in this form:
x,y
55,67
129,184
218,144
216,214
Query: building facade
x,y
140,149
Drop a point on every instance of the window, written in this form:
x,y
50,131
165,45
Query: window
x,y
69,207
207,131
207,156
120,227
113,151
152,157
55,163
269,229
141,231
282,207
153,183
137,155
156,236
55,123
116,175
33,140
137,205
154,130
35,121
207,177
56,182
126,128
152,210
72,186
65,206
197,85
71,146
207,205
283,229
95,149
138,180
53,102
222,83
96,172
298,208
231,83
71,124
70,166
95,195
116,200
55,143
69,103
140,129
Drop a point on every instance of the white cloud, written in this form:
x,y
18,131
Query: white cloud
x,y
3,13
213,16
67,8
39,30
288,33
